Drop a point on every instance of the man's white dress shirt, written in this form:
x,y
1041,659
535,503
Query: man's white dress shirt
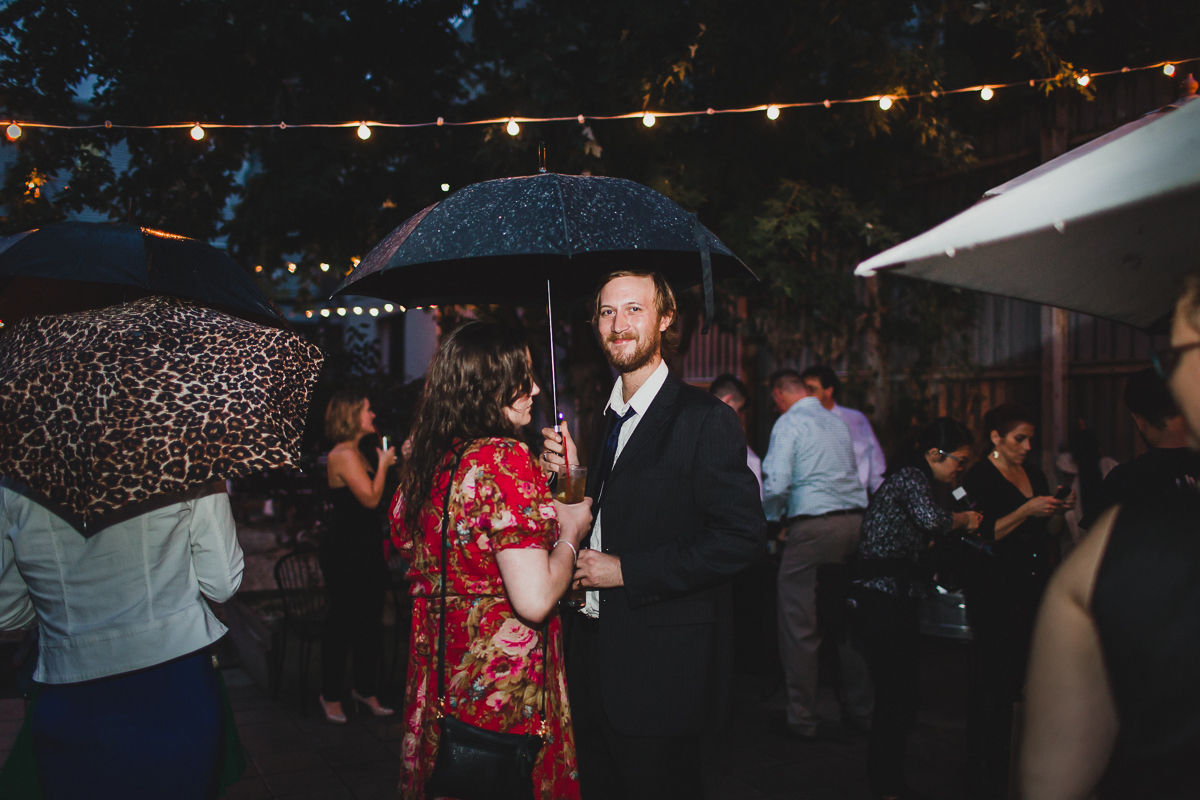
x,y
639,403
867,451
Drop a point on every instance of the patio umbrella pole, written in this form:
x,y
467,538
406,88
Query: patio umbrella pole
x,y
553,372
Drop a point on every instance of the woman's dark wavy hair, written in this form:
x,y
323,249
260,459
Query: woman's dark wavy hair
x,y
478,370
944,433
1002,419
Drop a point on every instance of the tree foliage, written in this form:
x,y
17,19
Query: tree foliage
x,y
802,198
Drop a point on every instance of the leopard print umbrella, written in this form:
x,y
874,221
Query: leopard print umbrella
x,y
105,412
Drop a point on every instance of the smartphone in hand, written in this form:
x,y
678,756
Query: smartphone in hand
x,y
1062,493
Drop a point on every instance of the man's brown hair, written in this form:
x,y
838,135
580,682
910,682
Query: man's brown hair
x,y
664,304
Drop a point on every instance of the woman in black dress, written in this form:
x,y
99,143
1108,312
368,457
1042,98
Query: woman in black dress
x,y
1113,700
901,519
351,556
1003,590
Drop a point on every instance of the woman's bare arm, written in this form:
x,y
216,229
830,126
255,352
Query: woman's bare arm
x,y
1070,715
347,467
534,580
1037,506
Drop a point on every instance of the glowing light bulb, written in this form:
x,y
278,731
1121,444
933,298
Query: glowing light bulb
x,y
341,312
1084,80
388,307
986,93
885,102
445,187
291,267
358,310
308,313
13,131
324,268
364,132
374,312
354,260
324,312
402,309
1169,70
648,119
258,268
197,132
827,104
772,112
513,128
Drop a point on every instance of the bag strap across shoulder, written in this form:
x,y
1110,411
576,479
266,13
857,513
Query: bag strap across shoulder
x,y
445,580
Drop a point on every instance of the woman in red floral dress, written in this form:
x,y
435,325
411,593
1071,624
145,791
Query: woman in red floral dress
x,y
506,568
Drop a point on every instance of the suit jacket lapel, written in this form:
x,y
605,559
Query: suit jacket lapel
x,y
657,414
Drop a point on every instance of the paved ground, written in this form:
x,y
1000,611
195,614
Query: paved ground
x,y
297,756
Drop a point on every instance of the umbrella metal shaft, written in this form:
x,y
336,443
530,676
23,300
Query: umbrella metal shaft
x,y
553,371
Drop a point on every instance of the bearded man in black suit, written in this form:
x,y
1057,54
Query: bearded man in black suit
x,y
677,517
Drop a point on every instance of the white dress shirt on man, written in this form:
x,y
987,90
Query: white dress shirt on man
x,y
867,451
640,401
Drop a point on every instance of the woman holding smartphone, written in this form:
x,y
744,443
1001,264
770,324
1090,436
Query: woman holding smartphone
x,y
351,555
1020,514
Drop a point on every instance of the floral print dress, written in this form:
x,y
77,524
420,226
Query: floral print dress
x,y
494,662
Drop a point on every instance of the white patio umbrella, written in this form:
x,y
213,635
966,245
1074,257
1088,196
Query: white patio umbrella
x,y
1105,229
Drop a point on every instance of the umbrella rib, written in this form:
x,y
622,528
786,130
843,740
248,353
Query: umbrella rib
x,y
562,204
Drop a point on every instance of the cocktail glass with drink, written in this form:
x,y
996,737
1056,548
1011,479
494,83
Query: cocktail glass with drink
x,y
571,483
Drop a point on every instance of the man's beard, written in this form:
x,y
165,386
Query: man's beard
x,y
643,352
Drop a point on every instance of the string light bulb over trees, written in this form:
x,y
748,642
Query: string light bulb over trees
x,y
364,131
197,132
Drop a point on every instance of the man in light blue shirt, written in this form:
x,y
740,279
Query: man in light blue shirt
x,y
811,484
823,384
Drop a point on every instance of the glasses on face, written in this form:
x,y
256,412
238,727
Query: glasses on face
x,y
1166,360
957,459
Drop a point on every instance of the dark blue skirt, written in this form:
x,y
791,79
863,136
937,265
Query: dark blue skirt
x,y
151,734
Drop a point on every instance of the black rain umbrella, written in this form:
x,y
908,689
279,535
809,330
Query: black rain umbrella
x,y
510,240
76,266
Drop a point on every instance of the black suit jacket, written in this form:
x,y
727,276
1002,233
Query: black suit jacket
x,y
682,511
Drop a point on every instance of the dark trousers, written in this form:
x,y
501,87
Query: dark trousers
x,y
154,733
1002,615
890,628
612,765
354,590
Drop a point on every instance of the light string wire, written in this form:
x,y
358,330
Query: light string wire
x,y
1082,77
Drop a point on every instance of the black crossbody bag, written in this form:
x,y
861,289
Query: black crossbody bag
x,y
473,763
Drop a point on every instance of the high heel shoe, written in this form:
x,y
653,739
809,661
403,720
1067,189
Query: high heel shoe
x,y
338,718
376,709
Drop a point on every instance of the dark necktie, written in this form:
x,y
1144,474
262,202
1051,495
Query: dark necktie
x,y
610,452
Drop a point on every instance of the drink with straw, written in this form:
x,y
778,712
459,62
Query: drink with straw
x,y
571,484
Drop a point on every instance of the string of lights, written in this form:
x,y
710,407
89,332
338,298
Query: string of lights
x,y
197,129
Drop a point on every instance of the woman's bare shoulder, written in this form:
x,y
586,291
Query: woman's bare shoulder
x,y
1076,578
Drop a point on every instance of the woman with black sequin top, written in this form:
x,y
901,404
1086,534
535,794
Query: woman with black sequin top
x,y
899,522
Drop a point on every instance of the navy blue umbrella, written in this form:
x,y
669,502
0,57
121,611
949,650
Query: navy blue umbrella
x,y
76,266
511,240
